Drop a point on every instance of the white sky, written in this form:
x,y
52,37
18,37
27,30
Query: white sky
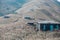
x,y
58,0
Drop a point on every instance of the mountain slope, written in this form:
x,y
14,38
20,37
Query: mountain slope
x,y
46,9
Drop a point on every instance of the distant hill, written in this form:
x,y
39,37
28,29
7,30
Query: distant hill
x,y
9,6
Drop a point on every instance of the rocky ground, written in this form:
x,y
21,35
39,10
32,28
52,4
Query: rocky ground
x,y
18,30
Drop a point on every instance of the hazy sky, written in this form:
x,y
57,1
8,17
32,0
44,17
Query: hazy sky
x,y
58,0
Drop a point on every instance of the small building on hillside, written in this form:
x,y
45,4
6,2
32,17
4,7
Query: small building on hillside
x,y
47,26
